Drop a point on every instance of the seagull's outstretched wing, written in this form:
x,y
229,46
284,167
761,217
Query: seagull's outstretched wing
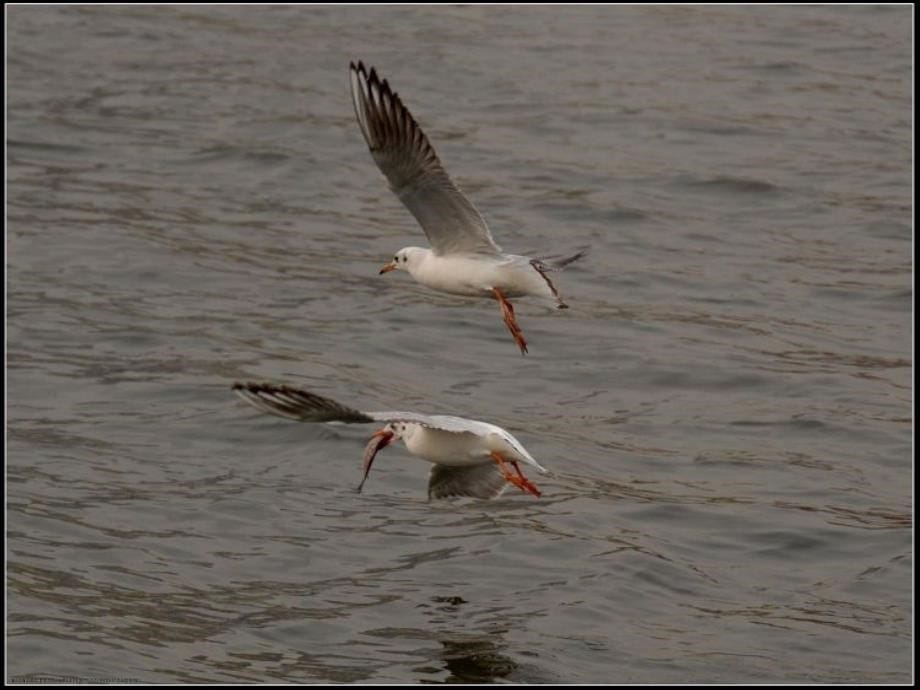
x,y
300,405
304,406
410,164
478,481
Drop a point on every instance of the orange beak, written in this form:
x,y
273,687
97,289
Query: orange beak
x,y
389,267
381,439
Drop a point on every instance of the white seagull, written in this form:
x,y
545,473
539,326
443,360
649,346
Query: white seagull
x,y
469,458
463,259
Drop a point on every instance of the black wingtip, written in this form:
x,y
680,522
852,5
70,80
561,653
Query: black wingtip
x,y
359,70
249,386
256,387
373,80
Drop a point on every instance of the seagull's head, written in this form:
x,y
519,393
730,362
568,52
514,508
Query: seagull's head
x,y
392,432
406,259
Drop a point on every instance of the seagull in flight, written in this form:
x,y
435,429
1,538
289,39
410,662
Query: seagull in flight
x,y
463,258
469,458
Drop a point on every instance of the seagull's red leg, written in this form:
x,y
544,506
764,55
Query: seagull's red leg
x,y
519,480
526,484
510,321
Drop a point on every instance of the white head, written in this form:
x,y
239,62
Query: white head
x,y
406,259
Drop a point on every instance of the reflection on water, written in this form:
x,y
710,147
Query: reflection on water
x,y
475,661
470,658
465,658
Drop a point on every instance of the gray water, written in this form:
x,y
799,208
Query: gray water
x,y
727,407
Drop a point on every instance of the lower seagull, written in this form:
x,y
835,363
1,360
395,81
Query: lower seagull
x,y
469,458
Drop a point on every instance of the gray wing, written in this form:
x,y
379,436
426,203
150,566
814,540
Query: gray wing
x,y
478,481
304,406
457,425
297,404
411,166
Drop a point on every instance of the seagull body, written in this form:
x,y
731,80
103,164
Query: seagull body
x,y
469,457
463,258
469,275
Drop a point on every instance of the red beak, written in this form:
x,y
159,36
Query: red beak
x,y
381,439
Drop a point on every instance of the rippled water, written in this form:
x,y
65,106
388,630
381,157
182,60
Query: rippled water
x,y
727,406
